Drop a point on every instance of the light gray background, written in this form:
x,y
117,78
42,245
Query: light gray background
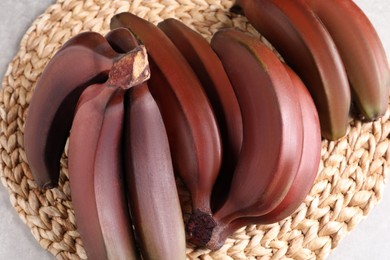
x,y
371,239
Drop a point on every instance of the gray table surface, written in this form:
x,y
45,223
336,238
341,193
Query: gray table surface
x,y
371,239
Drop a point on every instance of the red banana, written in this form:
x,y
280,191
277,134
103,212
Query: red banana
x,y
95,161
84,60
272,134
306,46
308,166
121,40
188,117
361,51
309,162
154,201
209,69
149,170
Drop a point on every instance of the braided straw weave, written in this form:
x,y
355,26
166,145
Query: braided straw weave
x,y
350,179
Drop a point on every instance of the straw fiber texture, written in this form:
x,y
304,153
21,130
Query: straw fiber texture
x,y
350,179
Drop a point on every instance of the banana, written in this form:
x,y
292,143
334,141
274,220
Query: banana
x,y
102,219
307,171
308,166
192,129
83,60
149,169
272,134
304,43
121,40
309,163
272,124
361,51
153,197
95,161
209,69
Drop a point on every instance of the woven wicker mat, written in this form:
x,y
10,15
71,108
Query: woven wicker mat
x,y
350,180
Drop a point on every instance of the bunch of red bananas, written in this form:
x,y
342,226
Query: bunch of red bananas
x,y
146,104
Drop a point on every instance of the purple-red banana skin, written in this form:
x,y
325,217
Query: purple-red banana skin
x,y
272,130
109,183
121,40
153,197
84,60
209,69
306,46
309,162
192,129
272,124
362,53
95,160
308,166
83,143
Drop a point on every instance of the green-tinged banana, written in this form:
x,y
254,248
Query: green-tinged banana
x,y
272,134
82,61
95,161
362,53
306,46
192,130
153,197
209,69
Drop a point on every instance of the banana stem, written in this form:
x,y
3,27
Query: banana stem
x,y
205,231
200,228
131,69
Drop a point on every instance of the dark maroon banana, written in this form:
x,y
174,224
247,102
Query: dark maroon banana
x,y
308,166
307,171
209,69
121,40
95,161
272,124
153,197
307,47
361,51
272,134
84,60
192,129
143,125
309,162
